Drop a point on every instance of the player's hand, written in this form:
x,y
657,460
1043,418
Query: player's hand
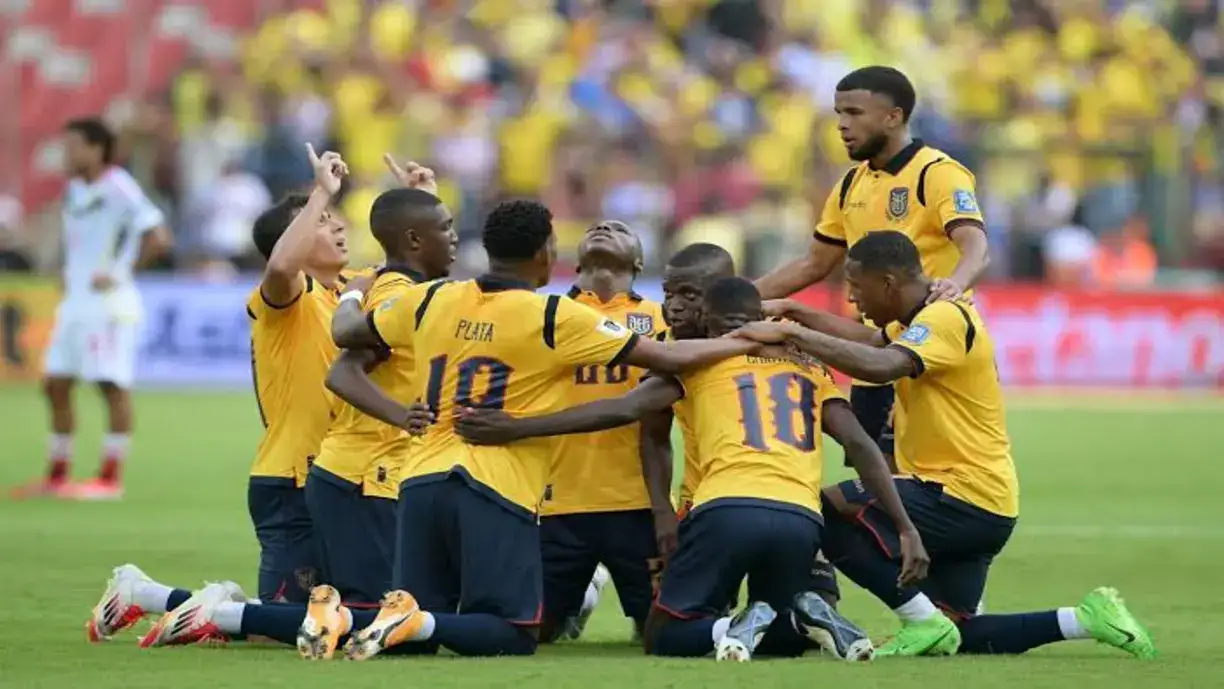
x,y
329,169
412,175
362,283
484,426
420,418
102,282
944,289
778,308
765,332
914,559
667,529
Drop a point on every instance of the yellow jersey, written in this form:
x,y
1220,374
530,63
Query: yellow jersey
x,y
494,343
950,420
758,424
361,449
602,472
291,353
692,461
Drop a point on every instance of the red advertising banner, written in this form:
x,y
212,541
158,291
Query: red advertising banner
x,y
1118,339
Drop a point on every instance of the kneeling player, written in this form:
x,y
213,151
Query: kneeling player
x,y
756,511
953,450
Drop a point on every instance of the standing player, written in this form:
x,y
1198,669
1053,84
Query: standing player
x,y
110,229
900,184
757,507
597,509
467,515
953,450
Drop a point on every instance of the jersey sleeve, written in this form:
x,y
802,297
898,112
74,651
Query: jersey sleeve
x,y
258,306
826,388
936,340
394,318
831,229
139,212
583,336
951,193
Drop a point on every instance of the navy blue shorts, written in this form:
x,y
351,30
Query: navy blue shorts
x,y
962,539
872,407
288,559
572,545
722,541
355,537
460,550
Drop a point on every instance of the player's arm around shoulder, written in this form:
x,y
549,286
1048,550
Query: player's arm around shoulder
x,y
824,322
386,320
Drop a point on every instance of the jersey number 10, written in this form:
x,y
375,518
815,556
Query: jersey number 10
x,y
466,372
784,410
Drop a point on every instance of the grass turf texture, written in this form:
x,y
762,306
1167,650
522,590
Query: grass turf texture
x,y
1116,490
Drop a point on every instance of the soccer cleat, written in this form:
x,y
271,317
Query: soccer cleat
x,y
323,626
42,488
94,489
746,631
117,609
574,626
937,636
817,620
1105,615
399,620
191,622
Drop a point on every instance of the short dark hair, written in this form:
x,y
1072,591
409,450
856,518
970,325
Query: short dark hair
x,y
272,223
886,251
883,80
727,295
393,209
517,230
96,133
703,254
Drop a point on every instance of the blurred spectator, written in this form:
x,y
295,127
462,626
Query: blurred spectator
x,y
12,258
647,111
221,215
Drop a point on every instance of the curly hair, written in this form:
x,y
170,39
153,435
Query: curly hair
x,y
517,230
886,251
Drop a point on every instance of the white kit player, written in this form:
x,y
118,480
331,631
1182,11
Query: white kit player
x,y
109,229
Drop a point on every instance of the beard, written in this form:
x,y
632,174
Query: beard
x,y
870,148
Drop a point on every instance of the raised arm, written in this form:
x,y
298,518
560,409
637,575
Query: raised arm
x,y
825,322
486,427
838,420
282,280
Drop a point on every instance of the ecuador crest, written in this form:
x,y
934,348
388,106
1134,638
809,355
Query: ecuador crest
x,y
898,203
640,323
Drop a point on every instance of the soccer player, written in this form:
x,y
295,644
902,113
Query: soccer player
x,y
110,229
352,485
756,510
598,510
466,515
899,184
957,478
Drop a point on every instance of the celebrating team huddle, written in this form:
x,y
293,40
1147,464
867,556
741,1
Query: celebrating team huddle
x,y
464,463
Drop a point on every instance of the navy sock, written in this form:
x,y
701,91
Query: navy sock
x,y
177,598
1006,634
856,553
279,621
684,638
478,634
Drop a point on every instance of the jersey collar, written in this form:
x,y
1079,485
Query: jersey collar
x,y
576,291
903,158
497,283
909,317
404,270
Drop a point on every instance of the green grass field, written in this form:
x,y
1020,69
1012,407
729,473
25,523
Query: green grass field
x,y
1116,490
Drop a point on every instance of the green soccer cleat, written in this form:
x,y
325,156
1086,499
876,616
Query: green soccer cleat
x,y
937,636
1103,613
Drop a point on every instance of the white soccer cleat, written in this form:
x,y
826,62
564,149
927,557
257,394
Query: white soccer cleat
x,y
574,626
191,622
746,631
236,594
117,609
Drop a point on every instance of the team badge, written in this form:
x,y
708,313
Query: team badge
x,y
915,334
640,323
898,203
964,201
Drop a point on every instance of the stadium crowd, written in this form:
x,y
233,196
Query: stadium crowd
x,y
1095,127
